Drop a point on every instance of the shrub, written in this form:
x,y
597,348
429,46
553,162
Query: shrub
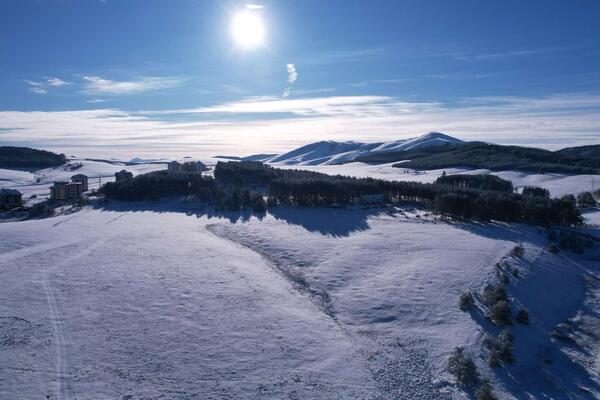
x,y
522,317
518,251
493,358
500,313
40,210
462,367
466,301
494,293
484,391
586,200
505,351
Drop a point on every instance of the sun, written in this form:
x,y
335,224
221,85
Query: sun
x,y
247,29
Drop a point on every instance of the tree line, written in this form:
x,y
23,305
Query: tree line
x,y
238,185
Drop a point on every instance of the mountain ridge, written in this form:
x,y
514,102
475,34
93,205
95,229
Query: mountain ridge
x,y
330,152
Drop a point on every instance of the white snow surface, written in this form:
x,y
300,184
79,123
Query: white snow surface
x,y
170,300
38,182
557,184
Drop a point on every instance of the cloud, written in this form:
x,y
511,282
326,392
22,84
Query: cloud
x,y
98,85
292,76
273,124
41,87
254,6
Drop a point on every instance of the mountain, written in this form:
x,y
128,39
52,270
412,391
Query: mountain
x,y
488,156
331,152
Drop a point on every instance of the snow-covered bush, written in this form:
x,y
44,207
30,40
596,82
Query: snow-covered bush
x,y
484,391
493,358
492,294
518,251
462,367
500,313
505,341
466,301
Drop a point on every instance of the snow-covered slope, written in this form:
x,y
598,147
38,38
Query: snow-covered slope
x,y
38,182
331,152
170,300
557,184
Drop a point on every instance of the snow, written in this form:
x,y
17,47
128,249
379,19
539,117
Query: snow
x,y
330,152
151,305
557,184
172,300
38,182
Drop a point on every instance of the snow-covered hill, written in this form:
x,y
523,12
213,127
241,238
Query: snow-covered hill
x,y
163,300
330,152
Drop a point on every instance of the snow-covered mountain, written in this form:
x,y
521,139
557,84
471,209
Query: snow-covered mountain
x,y
331,152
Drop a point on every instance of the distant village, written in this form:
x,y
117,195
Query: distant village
x,y
77,189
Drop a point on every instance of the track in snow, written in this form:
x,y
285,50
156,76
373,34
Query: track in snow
x,y
63,383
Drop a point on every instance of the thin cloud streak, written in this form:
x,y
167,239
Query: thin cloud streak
x,y
97,85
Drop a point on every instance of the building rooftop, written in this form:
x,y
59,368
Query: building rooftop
x,y
13,192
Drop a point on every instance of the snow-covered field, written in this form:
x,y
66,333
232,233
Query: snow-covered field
x,y
170,300
38,182
557,184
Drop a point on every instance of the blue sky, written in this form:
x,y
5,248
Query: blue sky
x,y
166,78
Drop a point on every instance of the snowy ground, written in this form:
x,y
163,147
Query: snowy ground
x,y
172,301
557,184
38,182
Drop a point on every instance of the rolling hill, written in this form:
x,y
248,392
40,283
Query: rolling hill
x,y
330,152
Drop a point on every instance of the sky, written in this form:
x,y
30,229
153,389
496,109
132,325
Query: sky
x,y
149,78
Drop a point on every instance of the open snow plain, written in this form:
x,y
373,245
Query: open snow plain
x,y
171,301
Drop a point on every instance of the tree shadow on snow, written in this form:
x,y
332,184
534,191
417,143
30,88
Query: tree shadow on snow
x,y
326,221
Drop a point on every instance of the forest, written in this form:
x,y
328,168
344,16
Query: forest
x,y
242,185
28,158
493,157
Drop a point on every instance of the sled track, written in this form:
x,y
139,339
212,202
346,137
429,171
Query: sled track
x,y
63,383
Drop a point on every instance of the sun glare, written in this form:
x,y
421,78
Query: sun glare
x,y
247,29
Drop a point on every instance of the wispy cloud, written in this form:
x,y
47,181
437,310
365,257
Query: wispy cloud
x,y
500,55
272,124
254,6
292,76
41,87
98,85
342,56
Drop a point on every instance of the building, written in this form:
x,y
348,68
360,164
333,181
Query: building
x,y
83,179
10,198
188,167
62,191
123,175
